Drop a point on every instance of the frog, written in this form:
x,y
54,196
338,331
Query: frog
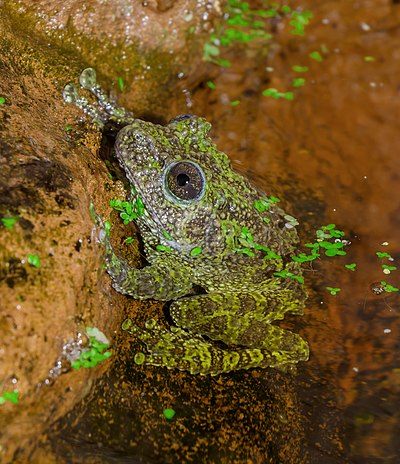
x,y
218,250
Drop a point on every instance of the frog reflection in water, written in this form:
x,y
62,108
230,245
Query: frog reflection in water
x,y
203,225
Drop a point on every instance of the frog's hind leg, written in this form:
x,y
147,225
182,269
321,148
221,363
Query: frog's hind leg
x,y
180,350
106,110
245,320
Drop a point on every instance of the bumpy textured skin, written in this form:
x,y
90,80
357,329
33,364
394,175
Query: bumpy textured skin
x,y
242,297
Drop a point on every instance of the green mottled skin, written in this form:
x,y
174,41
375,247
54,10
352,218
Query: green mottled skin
x,y
242,298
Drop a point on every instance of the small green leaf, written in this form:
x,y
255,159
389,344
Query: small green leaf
x,y
316,56
352,266
300,69
68,128
389,268
389,288
333,290
299,82
369,59
2,100
383,255
211,85
129,240
9,222
120,83
196,251
234,103
169,413
12,397
34,260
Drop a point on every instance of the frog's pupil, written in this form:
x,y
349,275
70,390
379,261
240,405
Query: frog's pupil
x,y
182,179
185,180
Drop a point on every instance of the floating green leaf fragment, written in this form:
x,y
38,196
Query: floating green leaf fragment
x,y
379,254
286,9
316,56
196,251
300,69
2,100
388,269
234,103
34,260
169,413
300,19
68,128
211,85
389,288
120,83
224,63
369,59
12,397
351,266
298,82
333,290
129,240
9,222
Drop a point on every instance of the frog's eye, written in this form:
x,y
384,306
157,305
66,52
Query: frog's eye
x,y
185,181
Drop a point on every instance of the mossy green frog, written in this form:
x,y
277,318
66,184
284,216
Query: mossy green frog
x,y
213,243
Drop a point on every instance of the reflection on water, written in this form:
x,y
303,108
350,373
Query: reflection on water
x,y
332,153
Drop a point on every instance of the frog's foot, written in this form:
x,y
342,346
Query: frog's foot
x,y
106,111
181,350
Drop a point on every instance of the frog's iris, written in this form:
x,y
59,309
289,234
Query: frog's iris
x,y
185,181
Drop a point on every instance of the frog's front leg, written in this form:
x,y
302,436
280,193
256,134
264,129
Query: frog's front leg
x,y
106,111
156,281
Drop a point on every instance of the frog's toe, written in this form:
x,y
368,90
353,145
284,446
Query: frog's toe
x,y
70,93
87,79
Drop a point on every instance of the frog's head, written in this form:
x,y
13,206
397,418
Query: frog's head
x,y
186,184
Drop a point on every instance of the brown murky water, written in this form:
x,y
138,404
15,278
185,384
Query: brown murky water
x,y
332,156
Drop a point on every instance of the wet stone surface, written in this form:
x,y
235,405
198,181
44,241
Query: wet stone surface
x,y
331,153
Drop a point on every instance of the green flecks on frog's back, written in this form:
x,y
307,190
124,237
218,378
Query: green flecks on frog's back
x,y
200,227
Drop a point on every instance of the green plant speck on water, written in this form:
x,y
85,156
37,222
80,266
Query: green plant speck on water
x,y
12,397
316,56
9,222
169,413
2,100
34,260
120,83
389,288
333,290
351,267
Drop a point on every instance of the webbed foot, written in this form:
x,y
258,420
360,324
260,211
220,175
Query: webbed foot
x,y
105,111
